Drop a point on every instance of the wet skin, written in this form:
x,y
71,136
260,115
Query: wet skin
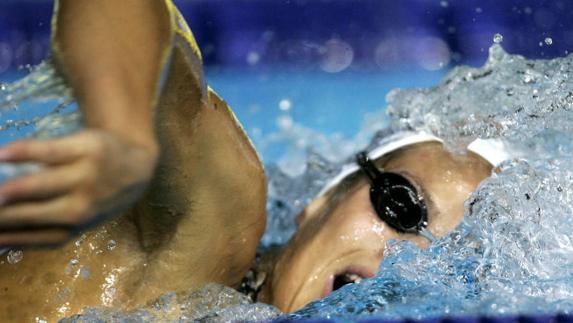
x,y
342,236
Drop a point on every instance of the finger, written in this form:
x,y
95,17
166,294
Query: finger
x,y
52,151
49,182
65,211
34,238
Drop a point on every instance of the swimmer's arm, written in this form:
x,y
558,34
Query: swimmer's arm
x,y
111,54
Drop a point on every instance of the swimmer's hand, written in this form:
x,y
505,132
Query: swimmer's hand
x,y
88,177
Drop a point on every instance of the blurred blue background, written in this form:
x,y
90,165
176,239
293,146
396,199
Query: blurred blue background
x,y
324,64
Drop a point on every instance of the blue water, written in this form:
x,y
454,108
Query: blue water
x,y
331,104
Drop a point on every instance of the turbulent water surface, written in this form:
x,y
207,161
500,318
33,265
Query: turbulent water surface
x,y
513,253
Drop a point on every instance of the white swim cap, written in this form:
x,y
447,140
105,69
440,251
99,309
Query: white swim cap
x,y
492,150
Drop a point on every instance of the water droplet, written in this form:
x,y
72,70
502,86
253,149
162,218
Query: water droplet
x,y
111,244
444,4
540,44
253,58
548,40
285,122
267,35
336,56
285,104
2,87
497,38
15,256
74,262
528,79
85,273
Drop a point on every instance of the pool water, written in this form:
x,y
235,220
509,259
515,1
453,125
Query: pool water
x,y
272,99
513,253
275,104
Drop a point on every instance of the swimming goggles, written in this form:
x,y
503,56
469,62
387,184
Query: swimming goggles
x,y
395,199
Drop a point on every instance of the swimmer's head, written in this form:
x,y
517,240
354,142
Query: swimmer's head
x,y
340,236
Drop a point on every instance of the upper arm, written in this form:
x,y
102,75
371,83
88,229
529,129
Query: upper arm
x,y
112,54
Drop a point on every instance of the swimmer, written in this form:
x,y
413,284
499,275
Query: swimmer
x,y
166,193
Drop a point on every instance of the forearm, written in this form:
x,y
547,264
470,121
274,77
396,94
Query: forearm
x,y
111,53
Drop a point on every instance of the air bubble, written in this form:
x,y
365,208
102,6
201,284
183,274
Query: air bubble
x,y
497,38
548,41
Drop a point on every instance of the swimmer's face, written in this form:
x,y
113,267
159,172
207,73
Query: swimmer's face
x,y
341,238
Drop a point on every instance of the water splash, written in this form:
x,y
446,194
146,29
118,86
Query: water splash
x,y
15,256
213,303
58,115
513,253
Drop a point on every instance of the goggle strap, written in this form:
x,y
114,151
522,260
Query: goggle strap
x,y
368,168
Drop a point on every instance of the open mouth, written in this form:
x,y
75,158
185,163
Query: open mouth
x,y
345,279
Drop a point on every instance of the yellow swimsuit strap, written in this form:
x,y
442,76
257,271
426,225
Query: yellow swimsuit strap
x,y
179,25
183,37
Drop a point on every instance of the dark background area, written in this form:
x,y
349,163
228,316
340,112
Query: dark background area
x,y
333,34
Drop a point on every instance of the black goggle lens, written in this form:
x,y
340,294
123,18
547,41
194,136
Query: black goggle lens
x,y
395,199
